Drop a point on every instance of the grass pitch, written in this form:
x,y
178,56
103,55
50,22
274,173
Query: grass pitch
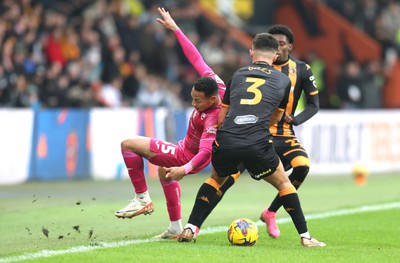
x,y
74,222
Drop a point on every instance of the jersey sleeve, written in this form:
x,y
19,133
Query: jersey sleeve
x,y
226,99
192,54
285,99
310,90
206,141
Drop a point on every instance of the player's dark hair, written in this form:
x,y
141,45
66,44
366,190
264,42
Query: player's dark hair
x,y
282,30
265,42
207,85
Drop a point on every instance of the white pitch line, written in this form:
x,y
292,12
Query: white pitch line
x,y
209,230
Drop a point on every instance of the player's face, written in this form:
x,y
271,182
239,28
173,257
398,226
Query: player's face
x,y
200,102
284,47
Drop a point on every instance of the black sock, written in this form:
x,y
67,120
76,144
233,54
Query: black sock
x,y
291,203
202,205
297,177
218,197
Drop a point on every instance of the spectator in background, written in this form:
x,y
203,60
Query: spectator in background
x,y
151,93
391,18
129,30
110,93
49,93
382,35
211,49
368,16
372,82
349,86
112,55
70,44
23,94
152,50
4,87
230,63
53,47
91,54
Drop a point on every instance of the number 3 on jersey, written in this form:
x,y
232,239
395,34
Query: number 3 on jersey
x,y
253,89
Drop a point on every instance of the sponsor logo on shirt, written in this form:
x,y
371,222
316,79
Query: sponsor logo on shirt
x,y
245,119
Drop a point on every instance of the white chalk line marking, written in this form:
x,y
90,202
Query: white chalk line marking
x,y
209,230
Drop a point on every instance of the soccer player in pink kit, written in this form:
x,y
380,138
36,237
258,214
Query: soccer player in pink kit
x,y
190,155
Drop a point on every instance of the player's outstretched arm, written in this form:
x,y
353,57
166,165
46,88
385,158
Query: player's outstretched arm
x,y
190,51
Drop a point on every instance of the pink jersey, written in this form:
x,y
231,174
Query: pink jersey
x,y
195,147
202,125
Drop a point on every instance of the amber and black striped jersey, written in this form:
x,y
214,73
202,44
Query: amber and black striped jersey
x,y
252,95
302,79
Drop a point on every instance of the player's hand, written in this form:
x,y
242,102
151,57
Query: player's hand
x,y
288,118
167,20
291,119
174,173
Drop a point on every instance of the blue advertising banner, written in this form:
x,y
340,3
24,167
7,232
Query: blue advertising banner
x,y
60,145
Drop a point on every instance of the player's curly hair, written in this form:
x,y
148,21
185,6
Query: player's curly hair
x,y
207,85
282,30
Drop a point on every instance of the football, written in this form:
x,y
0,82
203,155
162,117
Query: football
x,y
243,232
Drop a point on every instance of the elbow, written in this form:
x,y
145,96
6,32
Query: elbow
x,y
313,108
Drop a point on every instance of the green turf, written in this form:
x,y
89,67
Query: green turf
x,y
89,206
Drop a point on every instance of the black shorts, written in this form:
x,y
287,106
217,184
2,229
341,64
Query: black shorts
x,y
260,160
287,149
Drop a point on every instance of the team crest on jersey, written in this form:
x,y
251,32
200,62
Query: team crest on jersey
x,y
203,116
212,129
292,70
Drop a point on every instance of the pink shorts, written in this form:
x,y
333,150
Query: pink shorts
x,y
170,155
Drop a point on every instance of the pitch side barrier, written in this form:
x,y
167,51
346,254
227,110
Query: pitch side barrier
x,y
337,140
74,144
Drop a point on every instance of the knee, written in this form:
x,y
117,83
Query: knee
x,y
300,161
298,175
125,144
217,179
283,183
301,170
161,173
131,144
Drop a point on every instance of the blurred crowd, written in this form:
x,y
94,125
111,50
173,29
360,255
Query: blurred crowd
x,y
361,85
103,53
81,53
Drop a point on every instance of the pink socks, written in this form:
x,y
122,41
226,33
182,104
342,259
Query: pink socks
x,y
172,192
134,164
